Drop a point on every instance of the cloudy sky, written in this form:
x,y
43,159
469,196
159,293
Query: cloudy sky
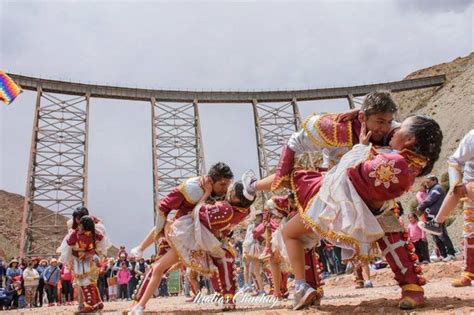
x,y
253,45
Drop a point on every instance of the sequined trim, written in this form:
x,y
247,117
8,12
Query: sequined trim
x,y
334,142
330,235
414,160
279,182
193,266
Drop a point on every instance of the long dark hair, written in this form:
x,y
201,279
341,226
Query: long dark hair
x,y
78,213
429,137
239,193
89,225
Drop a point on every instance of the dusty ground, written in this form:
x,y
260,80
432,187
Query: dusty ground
x,y
340,298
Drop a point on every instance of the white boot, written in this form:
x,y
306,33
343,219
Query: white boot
x,y
136,252
137,310
247,179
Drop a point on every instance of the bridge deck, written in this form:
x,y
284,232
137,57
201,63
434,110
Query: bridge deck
x,y
114,92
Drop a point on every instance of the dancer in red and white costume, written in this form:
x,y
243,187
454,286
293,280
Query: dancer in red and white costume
x,y
352,204
81,252
198,240
285,207
333,135
84,242
461,180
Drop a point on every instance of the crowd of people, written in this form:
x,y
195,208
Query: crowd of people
x,y
338,217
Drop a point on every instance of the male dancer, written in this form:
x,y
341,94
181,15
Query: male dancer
x,y
183,198
333,137
198,240
349,205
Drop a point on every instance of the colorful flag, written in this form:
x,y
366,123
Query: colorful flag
x,y
9,90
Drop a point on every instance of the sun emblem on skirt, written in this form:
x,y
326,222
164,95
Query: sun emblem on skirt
x,y
384,173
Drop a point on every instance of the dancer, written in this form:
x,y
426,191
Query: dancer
x,y
251,251
461,181
183,199
198,240
84,242
351,206
179,202
253,248
326,133
66,252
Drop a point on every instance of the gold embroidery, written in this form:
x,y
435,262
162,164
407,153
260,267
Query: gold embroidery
x,y
308,132
384,173
182,190
277,207
193,265
277,185
330,235
335,141
414,159
218,212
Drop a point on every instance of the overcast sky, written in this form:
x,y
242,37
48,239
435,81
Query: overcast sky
x,y
198,45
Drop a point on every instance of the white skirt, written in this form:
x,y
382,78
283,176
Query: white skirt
x,y
339,214
65,251
194,244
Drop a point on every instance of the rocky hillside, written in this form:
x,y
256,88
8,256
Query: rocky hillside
x,y
11,212
451,104
452,107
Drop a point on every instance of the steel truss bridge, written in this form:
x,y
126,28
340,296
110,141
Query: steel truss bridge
x,y
58,165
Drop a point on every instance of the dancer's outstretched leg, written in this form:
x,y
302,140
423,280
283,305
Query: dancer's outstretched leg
x,y
272,182
252,184
147,241
159,267
292,233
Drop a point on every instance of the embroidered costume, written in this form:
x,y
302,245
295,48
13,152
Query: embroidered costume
x,y
352,204
321,133
86,272
200,239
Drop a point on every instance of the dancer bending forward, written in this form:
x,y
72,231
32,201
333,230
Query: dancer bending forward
x,y
352,206
198,240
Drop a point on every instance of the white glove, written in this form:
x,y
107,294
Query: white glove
x,y
136,252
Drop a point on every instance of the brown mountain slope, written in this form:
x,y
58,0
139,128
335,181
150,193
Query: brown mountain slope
x,y
11,212
451,104
452,107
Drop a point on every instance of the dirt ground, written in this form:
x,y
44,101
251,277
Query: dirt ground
x,y
340,298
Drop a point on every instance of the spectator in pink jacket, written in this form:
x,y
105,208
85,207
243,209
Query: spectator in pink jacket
x,y
123,276
66,283
418,237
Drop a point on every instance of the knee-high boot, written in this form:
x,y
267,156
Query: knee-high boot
x,y
227,278
313,272
142,285
91,299
400,255
468,272
284,284
359,280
